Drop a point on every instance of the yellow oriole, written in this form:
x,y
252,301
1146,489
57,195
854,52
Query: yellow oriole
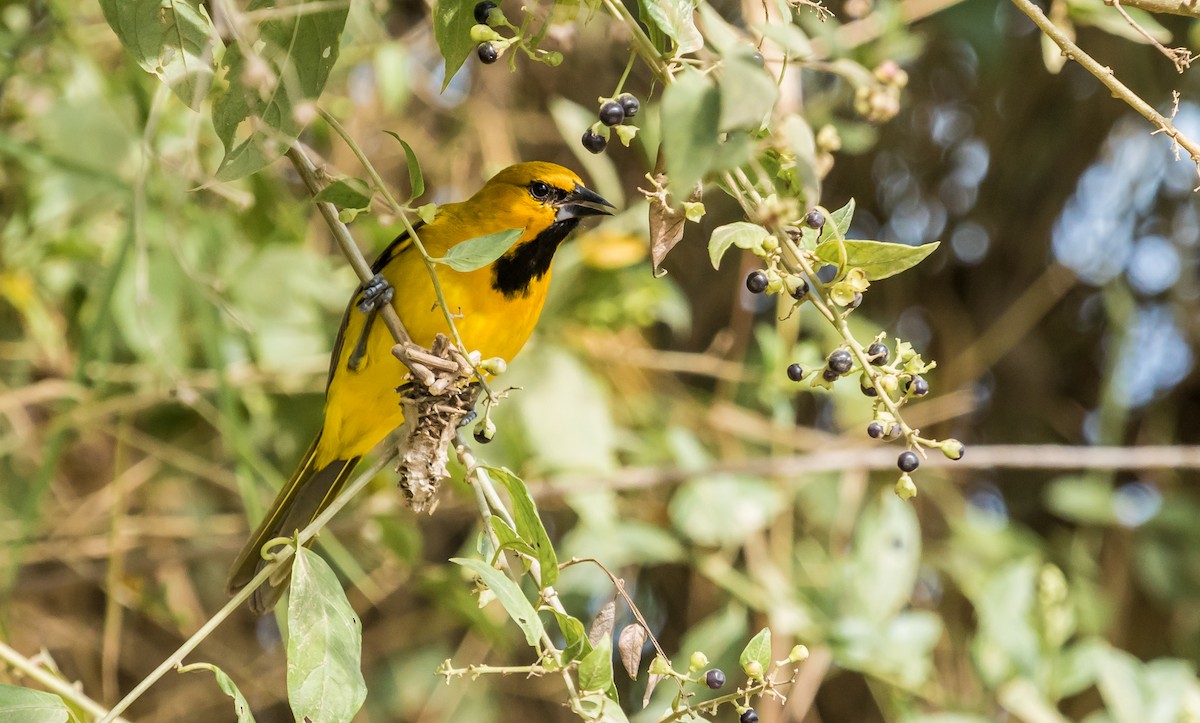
x,y
496,308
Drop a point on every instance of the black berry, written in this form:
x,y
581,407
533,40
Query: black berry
x,y
481,436
875,430
487,53
878,352
629,104
795,372
801,290
482,10
917,386
856,302
869,391
756,282
840,361
814,219
749,716
830,375
908,461
593,141
714,678
611,113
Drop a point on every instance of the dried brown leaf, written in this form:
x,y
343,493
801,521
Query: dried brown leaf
x,y
602,626
630,643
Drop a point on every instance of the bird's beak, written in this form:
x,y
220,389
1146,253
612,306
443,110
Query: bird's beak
x,y
582,202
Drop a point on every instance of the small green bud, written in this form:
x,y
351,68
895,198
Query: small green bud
x,y
698,662
693,211
553,58
753,670
799,653
660,666
889,383
494,366
482,34
770,243
905,488
953,449
485,431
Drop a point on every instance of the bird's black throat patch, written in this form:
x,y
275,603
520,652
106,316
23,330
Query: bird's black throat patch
x,y
516,270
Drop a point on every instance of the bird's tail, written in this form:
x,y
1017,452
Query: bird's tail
x,y
310,490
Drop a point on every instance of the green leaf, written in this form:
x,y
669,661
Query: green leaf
x,y
295,53
742,234
416,179
1082,499
26,705
509,595
675,18
353,193
748,93
758,650
452,21
691,109
509,539
799,167
877,259
596,669
174,40
842,218
789,37
529,523
478,252
575,636
226,684
324,651
887,552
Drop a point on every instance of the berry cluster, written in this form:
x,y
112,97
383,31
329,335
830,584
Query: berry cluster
x,y
612,114
879,102
492,44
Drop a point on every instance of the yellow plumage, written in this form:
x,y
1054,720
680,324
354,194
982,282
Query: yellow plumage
x,y
495,308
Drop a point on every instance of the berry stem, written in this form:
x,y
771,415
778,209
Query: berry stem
x,y
625,75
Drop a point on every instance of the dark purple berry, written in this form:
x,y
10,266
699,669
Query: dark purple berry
x,y
840,361
908,461
482,10
856,302
830,375
917,386
749,716
611,113
814,219
487,53
629,104
875,430
795,372
481,436
714,678
756,282
869,391
878,353
801,290
594,142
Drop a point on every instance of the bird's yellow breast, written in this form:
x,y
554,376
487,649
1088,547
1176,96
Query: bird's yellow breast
x,y
361,404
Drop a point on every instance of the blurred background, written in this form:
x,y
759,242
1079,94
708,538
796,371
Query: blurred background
x,y
164,342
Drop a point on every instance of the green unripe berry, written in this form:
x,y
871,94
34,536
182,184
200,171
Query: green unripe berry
x,y
697,662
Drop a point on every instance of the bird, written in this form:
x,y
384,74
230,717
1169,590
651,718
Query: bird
x,y
496,308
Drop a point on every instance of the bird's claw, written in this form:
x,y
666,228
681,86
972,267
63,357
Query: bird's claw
x,y
375,293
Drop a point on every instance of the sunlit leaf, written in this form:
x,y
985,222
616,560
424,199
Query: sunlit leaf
x,y
416,179
758,650
877,259
529,523
596,669
26,705
675,18
478,252
789,37
574,635
742,234
748,93
452,21
510,596
324,652
174,40
351,193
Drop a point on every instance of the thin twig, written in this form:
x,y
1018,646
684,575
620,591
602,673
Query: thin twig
x,y
1181,57
1106,76
1186,8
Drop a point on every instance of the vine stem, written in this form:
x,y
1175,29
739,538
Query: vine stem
x,y
53,683
641,42
281,556
1106,76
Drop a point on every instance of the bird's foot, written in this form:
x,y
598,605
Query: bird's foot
x,y
375,293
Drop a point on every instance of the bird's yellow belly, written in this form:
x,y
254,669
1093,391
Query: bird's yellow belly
x,y
362,407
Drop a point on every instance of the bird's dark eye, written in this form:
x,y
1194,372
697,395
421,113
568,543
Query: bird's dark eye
x,y
539,190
